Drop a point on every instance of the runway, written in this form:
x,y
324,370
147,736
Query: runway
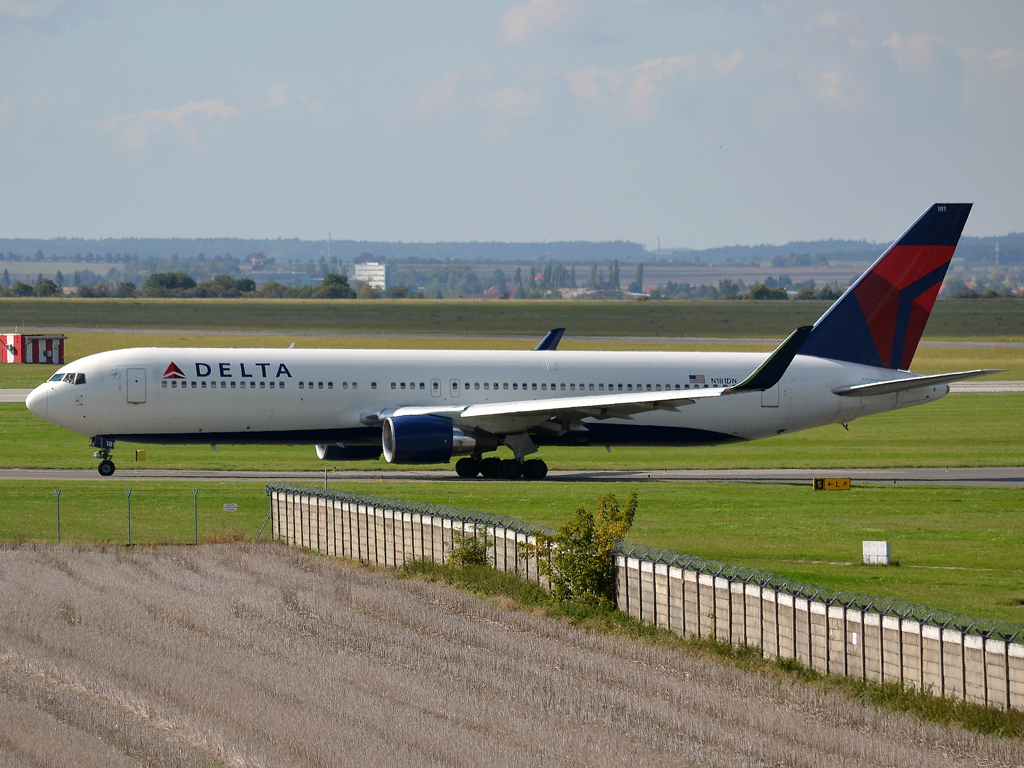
x,y
973,476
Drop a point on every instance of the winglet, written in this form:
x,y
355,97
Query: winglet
x,y
771,370
550,342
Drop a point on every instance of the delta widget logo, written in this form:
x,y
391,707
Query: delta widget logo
x,y
173,372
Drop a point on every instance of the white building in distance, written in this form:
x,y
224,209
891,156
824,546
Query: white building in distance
x,y
377,275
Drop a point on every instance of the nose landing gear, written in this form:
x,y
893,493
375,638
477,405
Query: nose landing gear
x,y
105,445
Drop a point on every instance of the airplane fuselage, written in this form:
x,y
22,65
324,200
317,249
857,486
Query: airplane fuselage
x,y
324,396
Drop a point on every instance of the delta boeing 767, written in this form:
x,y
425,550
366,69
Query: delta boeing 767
x,y
424,407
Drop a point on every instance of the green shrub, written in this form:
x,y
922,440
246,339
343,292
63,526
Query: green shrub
x,y
469,549
581,566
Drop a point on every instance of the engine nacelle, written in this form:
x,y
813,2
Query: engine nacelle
x,y
347,452
430,440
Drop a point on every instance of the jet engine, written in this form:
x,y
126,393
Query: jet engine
x,y
348,452
431,440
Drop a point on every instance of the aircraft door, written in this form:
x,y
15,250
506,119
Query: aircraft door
x,y
136,385
455,389
435,387
770,397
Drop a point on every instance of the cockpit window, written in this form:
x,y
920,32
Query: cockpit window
x,y
79,378
56,377
69,378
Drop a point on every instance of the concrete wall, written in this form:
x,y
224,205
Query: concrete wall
x,y
834,640
831,639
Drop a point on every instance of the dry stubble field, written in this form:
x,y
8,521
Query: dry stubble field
x,y
260,655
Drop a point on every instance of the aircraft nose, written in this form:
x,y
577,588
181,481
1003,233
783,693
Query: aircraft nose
x,y
37,400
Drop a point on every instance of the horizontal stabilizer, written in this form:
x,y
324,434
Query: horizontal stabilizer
x,y
900,385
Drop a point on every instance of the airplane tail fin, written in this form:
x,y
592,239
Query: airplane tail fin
x,y
880,318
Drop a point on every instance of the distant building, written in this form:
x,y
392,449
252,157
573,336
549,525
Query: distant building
x,y
377,275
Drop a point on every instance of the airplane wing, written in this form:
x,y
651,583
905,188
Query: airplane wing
x,y
519,415
912,382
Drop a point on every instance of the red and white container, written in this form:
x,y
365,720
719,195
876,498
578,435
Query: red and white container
x,y
32,348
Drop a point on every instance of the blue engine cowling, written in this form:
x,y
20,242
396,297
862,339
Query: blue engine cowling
x,y
348,452
430,440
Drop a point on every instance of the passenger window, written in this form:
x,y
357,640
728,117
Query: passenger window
x,y
233,384
271,385
563,387
486,385
163,384
204,385
591,387
423,385
193,385
600,387
301,384
657,387
344,385
263,385
403,385
543,385
515,385
476,385
373,385
572,387
394,385
280,384
354,385
505,385
330,385
534,385
320,385
495,385
629,387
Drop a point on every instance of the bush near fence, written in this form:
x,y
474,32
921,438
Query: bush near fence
x,y
836,633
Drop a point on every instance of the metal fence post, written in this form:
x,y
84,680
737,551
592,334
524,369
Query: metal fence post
x,y
195,512
57,491
128,495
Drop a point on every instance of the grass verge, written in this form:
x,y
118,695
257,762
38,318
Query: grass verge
x,y
512,591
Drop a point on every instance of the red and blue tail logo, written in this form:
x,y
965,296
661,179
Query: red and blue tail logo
x,y
880,319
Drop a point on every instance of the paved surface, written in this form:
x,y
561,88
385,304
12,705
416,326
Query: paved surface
x,y
981,476
13,395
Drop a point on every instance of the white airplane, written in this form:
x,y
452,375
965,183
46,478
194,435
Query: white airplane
x,y
425,406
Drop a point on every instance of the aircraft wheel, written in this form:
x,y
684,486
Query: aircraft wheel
x,y
491,467
535,469
467,467
511,469
106,468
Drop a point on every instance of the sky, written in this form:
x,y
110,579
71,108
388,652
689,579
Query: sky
x,y
689,122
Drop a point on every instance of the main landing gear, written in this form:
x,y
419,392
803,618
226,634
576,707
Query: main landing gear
x,y
507,469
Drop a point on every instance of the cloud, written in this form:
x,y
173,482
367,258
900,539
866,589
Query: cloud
x,y
513,101
725,66
1006,59
830,86
28,9
641,82
439,95
523,20
921,55
276,96
135,129
6,109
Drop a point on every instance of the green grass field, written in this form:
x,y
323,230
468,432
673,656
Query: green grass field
x,y
959,431
958,548
988,319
